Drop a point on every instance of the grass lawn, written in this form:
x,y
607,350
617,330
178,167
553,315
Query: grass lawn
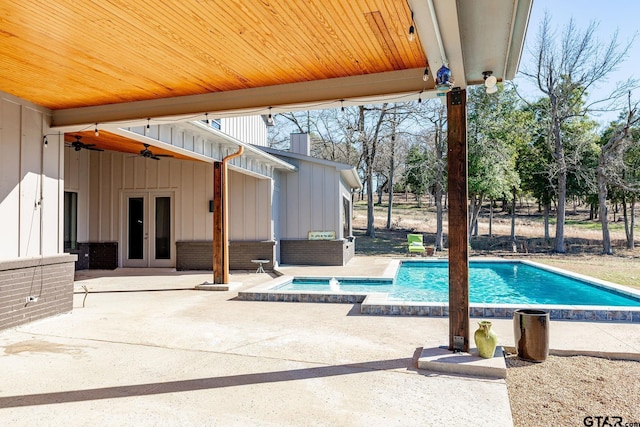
x,y
582,239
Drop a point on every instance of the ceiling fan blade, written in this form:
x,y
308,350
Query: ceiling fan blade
x,y
154,157
94,149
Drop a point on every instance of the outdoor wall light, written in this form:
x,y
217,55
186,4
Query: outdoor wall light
x,y
96,132
425,76
490,82
443,78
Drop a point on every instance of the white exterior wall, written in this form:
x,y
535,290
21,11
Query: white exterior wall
x,y
249,208
31,196
309,201
102,178
249,129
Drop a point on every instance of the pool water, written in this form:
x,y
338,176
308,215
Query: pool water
x,y
502,282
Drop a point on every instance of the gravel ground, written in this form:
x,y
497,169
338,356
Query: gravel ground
x,y
565,391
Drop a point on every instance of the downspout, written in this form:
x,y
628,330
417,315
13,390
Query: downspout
x,y
225,214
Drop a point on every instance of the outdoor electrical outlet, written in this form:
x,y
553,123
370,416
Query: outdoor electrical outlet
x,y
32,299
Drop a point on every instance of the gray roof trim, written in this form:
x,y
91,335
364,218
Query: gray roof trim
x,y
348,172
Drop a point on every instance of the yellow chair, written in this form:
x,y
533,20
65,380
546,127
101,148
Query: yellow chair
x,y
416,245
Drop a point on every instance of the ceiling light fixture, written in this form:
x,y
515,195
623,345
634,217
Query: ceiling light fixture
x,y
96,132
342,105
490,82
206,119
148,121
420,98
425,76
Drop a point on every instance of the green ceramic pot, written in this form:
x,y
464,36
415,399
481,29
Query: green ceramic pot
x,y
486,340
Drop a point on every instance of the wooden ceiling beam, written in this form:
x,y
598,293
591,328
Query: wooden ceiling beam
x,y
447,18
404,85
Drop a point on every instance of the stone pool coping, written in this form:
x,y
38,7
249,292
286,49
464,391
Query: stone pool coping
x,y
377,303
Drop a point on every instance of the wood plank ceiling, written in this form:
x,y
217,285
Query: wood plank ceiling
x,y
79,53
114,142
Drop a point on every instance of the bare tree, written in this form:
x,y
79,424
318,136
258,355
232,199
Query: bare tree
x,y
392,166
370,139
611,171
565,69
435,113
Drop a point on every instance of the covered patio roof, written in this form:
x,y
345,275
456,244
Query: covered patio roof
x,y
113,61
127,62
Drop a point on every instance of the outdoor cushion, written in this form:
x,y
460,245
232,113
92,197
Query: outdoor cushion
x,y
415,243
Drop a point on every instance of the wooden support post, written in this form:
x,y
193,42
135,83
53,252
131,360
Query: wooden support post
x,y
225,213
218,226
458,223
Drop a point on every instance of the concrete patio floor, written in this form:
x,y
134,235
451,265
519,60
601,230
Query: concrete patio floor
x,y
149,350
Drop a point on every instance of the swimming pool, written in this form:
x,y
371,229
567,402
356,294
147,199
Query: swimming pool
x,y
497,288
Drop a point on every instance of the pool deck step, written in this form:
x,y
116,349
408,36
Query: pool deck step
x,y
441,359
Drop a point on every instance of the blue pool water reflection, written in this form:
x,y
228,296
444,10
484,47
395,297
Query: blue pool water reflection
x,y
504,282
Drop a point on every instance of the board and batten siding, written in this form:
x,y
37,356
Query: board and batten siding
x,y
36,277
103,178
310,200
31,195
249,129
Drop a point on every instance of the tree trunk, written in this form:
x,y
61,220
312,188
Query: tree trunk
x,y
602,208
558,154
391,171
547,207
439,185
513,222
439,220
629,220
368,174
625,217
371,231
562,199
476,205
369,154
630,239
491,218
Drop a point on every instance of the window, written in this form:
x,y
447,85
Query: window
x,y
70,221
346,218
214,123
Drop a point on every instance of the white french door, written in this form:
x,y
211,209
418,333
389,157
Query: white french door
x,y
148,229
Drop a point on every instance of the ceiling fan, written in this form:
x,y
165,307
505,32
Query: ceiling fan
x,y
149,154
79,145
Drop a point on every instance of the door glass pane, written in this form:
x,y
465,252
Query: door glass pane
x,y
136,228
163,228
70,220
